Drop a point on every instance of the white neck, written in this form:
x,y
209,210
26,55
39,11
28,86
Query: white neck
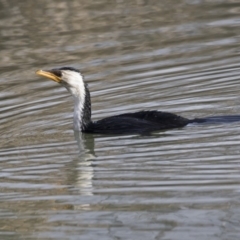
x,y
73,81
78,113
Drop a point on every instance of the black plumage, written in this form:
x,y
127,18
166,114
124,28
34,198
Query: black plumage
x,y
138,122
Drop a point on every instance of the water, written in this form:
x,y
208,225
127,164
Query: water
x,y
178,56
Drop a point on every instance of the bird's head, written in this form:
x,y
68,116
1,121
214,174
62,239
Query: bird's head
x,y
68,77
72,80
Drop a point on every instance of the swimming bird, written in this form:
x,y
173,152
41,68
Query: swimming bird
x,y
140,122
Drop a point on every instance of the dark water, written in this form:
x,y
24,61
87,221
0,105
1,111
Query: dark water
x,y
178,56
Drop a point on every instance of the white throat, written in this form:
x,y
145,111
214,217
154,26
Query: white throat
x,y
78,113
73,81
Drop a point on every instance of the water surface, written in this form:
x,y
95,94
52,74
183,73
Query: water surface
x,y
177,56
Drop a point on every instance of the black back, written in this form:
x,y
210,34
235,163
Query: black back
x,y
138,122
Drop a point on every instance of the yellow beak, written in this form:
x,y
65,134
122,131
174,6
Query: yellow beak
x,y
49,75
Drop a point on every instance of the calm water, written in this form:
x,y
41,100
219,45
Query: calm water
x,y
178,56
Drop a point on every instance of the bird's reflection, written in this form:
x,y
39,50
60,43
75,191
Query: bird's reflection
x,y
82,167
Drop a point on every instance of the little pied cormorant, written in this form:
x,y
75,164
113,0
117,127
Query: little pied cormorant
x,y
137,122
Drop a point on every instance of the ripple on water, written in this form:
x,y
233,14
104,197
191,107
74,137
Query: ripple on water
x,y
179,184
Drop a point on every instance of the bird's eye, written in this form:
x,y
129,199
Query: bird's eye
x,y
56,72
